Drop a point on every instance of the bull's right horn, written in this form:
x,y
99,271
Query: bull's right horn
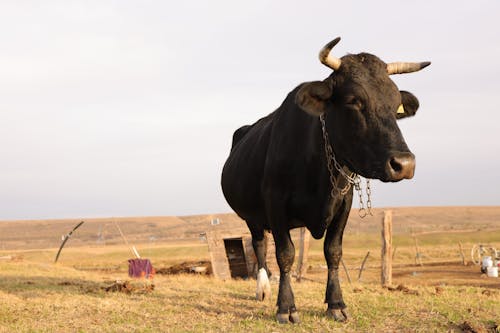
x,y
326,57
406,67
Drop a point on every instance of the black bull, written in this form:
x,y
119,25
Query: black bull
x,y
276,177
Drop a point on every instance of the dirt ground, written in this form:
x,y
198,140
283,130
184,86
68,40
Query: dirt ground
x,y
428,275
442,274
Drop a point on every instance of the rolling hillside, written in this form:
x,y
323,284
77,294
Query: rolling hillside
x,y
37,234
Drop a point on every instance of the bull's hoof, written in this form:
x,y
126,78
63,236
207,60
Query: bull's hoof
x,y
339,315
294,317
285,318
282,318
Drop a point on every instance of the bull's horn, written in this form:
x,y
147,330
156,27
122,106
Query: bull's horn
x,y
327,58
406,67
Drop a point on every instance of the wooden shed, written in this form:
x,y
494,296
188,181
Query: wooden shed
x,y
232,255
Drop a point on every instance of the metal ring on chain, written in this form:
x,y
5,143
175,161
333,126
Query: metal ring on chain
x,y
352,180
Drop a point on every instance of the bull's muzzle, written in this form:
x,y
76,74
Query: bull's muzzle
x,y
400,166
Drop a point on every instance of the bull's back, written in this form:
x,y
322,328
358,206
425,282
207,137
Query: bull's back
x,y
243,171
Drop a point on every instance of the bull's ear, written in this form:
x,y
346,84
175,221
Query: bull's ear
x,y
312,97
409,105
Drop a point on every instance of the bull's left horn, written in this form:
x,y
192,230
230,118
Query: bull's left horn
x,y
327,58
406,67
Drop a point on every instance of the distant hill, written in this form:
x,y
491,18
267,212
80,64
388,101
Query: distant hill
x,y
36,234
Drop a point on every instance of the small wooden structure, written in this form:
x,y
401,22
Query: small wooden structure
x,y
232,255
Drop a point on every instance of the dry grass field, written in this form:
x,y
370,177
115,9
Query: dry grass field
x,y
77,293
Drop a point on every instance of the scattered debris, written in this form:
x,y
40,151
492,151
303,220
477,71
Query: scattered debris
x,y
135,286
86,287
68,283
188,267
12,258
357,290
404,289
486,292
494,327
106,269
466,327
129,287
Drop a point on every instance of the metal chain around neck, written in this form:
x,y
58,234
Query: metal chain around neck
x,y
352,178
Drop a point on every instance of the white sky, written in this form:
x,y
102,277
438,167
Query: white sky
x,y
127,108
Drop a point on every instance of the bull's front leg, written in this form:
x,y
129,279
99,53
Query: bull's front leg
x,y
285,254
333,255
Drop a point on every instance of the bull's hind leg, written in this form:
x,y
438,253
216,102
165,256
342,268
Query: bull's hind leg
x,y
259,243
333,254
285,254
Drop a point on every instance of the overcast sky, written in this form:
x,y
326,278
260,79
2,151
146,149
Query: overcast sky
x,y
127,108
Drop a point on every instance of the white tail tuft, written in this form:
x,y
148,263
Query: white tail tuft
x,y
263,285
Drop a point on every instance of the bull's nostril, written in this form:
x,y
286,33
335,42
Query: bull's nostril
x,y
396,165
400,166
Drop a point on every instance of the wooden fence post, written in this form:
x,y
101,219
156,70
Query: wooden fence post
x,y
418,255
363,265
346,271
464,262
303,252
387,248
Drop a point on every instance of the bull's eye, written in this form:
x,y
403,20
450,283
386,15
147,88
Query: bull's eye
x,y
353,102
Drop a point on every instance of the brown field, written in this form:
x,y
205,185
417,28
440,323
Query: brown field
x,y
442,295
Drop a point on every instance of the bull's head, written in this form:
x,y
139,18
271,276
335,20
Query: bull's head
x,y
361,104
